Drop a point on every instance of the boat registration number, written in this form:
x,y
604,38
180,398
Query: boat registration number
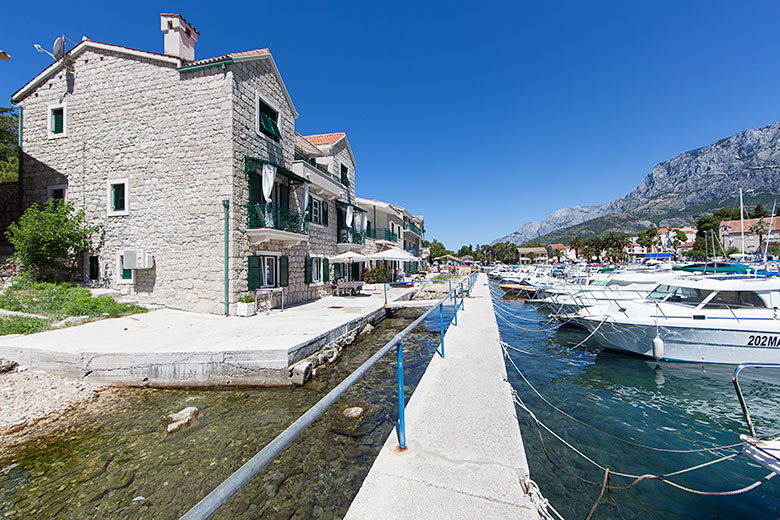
x,y
763,341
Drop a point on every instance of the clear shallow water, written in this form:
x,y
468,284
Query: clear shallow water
x,y
96,465
668,405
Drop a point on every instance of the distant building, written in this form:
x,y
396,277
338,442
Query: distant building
x,y
565,253
530,255
731,234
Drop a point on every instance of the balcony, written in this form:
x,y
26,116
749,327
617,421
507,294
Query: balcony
x,y
382,234
267,221
322,182
350,240
414,229
412,251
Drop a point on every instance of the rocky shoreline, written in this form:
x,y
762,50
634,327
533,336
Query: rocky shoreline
x,y
31,397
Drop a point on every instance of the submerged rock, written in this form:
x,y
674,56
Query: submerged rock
x,y
301,372
180,419
354,412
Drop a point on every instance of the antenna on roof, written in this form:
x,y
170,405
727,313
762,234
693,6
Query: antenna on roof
x,y
58,48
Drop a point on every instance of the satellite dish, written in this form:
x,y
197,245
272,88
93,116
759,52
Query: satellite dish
x,y
59,47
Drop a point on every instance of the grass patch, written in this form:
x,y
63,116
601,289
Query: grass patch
x,y
444,276
61,300
21,325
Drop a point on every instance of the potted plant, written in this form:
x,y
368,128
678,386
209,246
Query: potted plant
x,y
246,305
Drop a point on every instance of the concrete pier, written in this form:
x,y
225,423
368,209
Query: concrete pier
x,y
464,456
170,348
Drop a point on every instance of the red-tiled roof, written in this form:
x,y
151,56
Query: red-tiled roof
x,y
321,139
256,52
557,246
736,227
662,231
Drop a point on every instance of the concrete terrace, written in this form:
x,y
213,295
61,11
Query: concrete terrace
x,y
175,348
464,456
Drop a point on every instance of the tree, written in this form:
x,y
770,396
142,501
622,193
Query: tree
x,y
705,226
50,238
505,252
577,243
647,238
759,212
760,228
437,249
464,251
678,238
727,213
9,145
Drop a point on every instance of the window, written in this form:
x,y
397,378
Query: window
x,y
57,124
315,211
57,192
94,268
317,269
745,299
267,271
117,203
267,119
126,276
344,175
689,296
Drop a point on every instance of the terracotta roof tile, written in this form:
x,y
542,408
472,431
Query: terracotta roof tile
x,y
322,139
734,226
256,52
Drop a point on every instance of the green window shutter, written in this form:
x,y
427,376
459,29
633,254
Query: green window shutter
x,y
336,271
254,276
324,213
254,188
269,125
355,271
308,269
118,192
284,271
325,270
284,197
57,121
311,209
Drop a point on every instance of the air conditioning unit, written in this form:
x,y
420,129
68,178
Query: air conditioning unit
x,y
137,259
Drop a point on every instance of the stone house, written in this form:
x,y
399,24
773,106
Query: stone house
x,y
530,255
194,169
731,234
392,226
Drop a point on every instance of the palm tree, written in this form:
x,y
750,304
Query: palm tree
x,y
760,228
577,243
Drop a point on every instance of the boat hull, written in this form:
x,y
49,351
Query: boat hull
x,y
699,345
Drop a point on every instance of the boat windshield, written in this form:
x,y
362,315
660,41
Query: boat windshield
x,y
684,295
744,299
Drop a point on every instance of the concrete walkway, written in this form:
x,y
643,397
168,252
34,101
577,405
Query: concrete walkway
x,y
176,348
464,456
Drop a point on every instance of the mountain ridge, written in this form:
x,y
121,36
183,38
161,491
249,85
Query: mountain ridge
x,y
749,159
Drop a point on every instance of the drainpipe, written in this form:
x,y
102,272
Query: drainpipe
x,y
226,207
20,195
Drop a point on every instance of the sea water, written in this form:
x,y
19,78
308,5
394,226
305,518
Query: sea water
x,y
673,406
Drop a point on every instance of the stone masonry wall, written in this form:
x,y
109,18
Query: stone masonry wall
x,y
168,134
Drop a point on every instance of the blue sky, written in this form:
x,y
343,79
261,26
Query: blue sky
x,y
485,115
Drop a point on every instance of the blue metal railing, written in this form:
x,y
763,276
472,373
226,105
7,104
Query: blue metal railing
x,y
211,503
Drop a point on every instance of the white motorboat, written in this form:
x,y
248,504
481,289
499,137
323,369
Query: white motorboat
x,y
706,319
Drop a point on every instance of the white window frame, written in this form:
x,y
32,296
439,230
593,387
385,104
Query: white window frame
x,y
110,199
50,191
259,97
50,120
263,255
316,259
318,203
119,279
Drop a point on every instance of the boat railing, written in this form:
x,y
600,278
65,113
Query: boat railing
x,y
735,381
211,503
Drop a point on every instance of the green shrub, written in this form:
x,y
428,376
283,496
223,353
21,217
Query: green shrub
x,y
21,325
376,275
247,298
52,237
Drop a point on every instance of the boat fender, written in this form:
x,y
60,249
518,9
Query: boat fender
x,y
658,347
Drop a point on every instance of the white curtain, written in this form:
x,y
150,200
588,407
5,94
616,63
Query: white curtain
x,y
305,201
350,214
269,175
364,222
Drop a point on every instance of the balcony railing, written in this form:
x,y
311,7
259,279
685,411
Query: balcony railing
x,y
411,227
382,234
323,169
270,216
351,236
413,250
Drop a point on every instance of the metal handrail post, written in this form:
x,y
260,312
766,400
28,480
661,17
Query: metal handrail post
x,y
441,321
462,297
455,303
401,427
385,293
450,284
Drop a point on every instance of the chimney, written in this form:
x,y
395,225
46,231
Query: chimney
x,y
180,36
